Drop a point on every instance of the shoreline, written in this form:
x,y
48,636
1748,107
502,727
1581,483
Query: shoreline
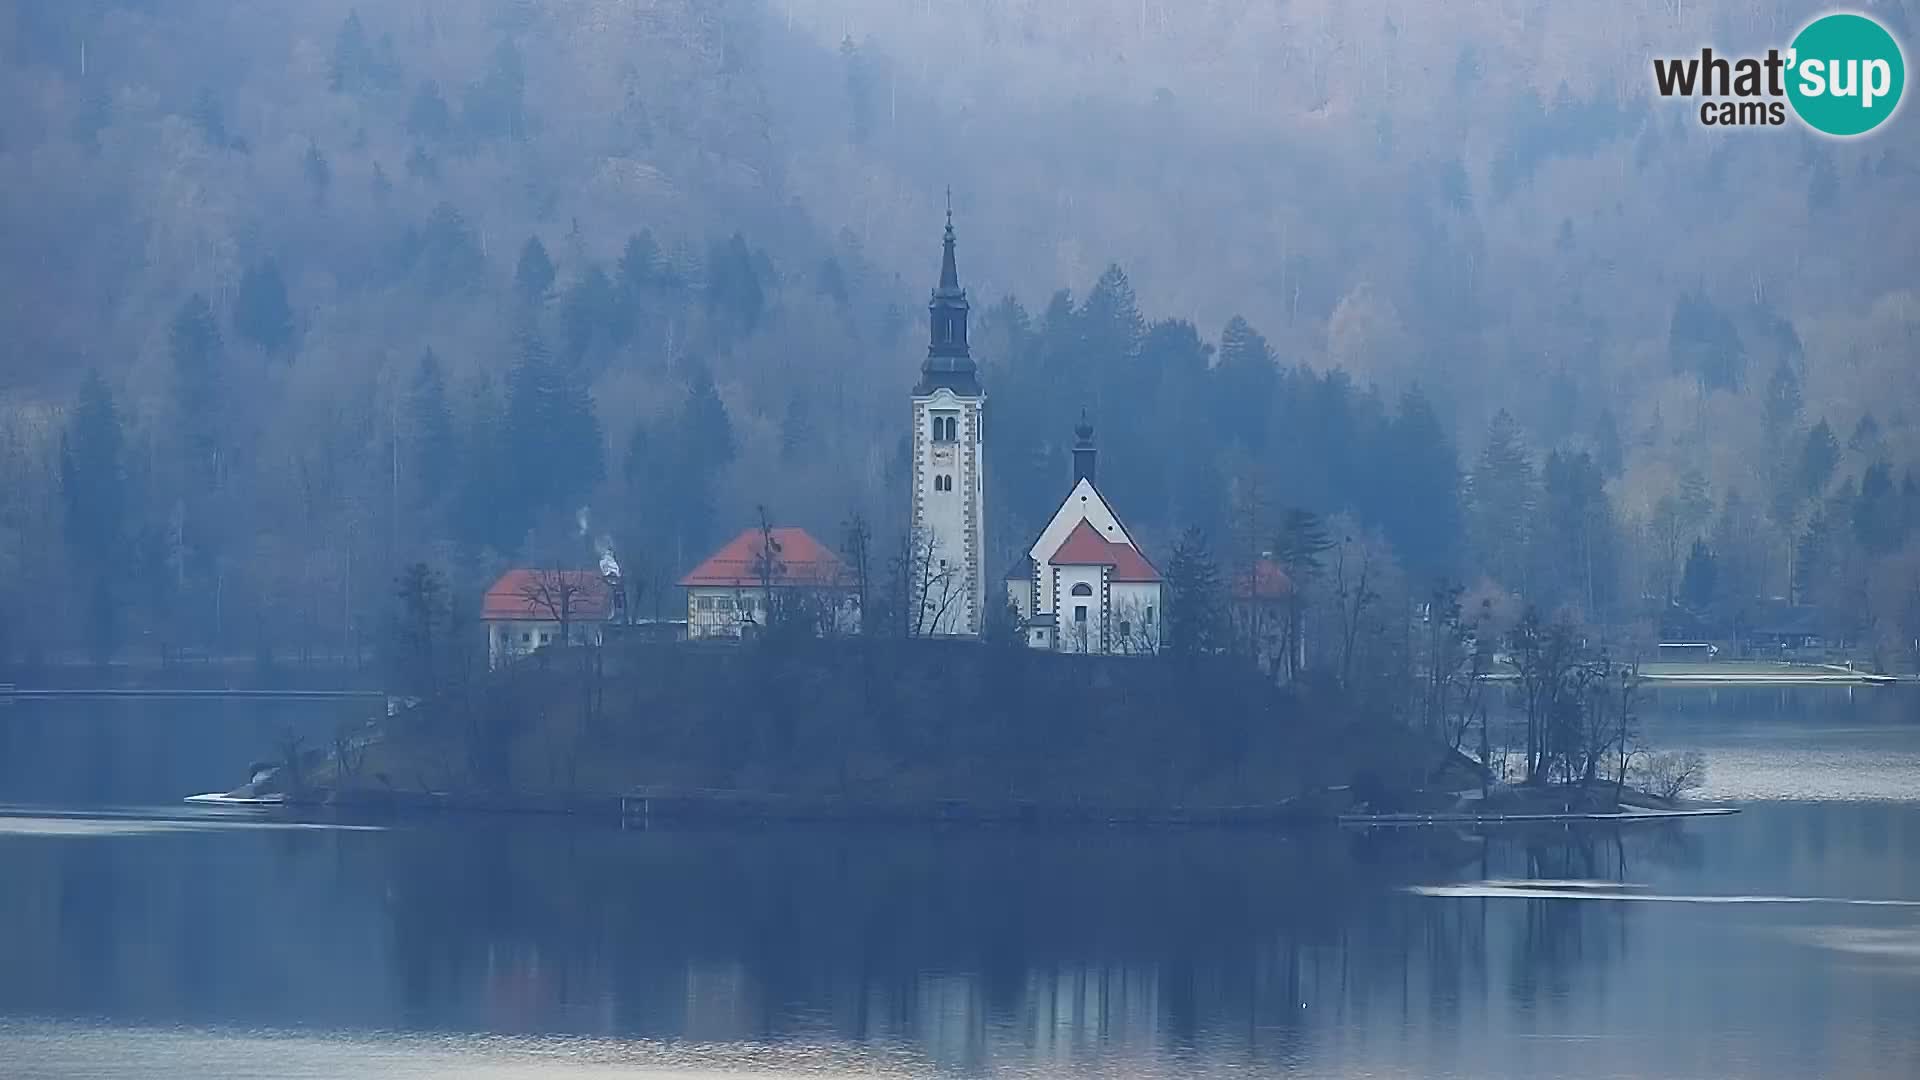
x,y
1747,673
647,808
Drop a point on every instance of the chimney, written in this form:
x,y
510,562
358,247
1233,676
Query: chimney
x,y
1083,450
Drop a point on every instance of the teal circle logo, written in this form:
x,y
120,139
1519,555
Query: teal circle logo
x,y
1845,74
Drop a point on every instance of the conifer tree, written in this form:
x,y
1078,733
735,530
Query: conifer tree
x,y
261,313
1196,602
434,448
533,274
93,484
1504,495
196,350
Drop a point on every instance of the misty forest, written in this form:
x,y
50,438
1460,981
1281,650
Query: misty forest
x,y
299,295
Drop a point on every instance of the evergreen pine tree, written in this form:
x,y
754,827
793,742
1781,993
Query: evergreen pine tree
x,y
640,265
735,296
1819,456
1244,383
93,484
1196,602
589,310
1879,522
319,174
1783,402
1420,481
1608,454
704,423
352,59
261,313
447,256
428,116
553,436
533,274
434,449
1503,496
1576,528
195,348
796,430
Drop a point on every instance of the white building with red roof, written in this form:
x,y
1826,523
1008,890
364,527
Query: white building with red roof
x,y
728,594
527,609
1085,586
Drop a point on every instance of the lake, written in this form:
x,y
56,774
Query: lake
x,y
139,938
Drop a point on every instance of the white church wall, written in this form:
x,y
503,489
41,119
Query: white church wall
x,y
1137,612
1077,633
948,499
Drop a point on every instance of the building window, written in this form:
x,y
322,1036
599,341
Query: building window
x,y
526,636
1079,613
1083,589
1149,619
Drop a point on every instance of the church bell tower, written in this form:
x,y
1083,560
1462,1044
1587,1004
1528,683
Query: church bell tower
x,y
949,479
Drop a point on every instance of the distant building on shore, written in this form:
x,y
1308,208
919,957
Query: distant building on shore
x,y
528,608
749,584
1085,586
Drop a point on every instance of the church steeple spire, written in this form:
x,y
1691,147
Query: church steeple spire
x,y
949,363
949,274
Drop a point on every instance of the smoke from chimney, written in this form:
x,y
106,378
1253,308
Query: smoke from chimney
x,y
609,566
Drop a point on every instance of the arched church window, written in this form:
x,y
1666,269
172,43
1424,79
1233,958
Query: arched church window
x,y
1083,589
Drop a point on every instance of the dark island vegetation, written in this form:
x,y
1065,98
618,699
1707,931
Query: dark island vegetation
x,y
878,722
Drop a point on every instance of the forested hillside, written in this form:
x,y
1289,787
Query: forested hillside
x,y
295,294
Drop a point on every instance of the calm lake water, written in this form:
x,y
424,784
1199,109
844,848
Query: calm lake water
x,y
140,939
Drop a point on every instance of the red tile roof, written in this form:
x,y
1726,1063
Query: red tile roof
x,y
536,594
800,560
1084,546
1270,581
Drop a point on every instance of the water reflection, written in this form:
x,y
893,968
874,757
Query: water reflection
x,y
965,951
182,945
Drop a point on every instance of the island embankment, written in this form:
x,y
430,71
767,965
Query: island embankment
x,y
879,730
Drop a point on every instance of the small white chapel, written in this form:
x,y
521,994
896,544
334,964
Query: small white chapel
x,y
1085,586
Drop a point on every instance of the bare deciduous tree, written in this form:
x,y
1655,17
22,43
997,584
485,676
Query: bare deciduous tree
x,y
1671,774
856,547
558,594
927,587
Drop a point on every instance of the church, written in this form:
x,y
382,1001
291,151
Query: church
x,y
1082,586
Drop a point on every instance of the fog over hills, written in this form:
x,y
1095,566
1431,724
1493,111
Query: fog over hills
x,y
668,260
